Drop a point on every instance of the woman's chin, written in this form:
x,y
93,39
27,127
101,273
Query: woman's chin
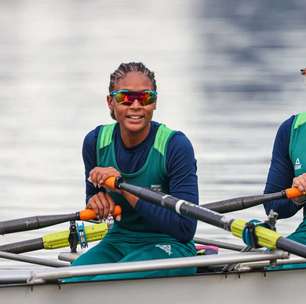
x,y
135,126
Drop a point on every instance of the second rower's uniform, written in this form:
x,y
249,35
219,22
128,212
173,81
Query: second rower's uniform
x,y
288,161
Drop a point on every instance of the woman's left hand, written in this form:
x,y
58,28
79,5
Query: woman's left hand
x,y
300,182
99,175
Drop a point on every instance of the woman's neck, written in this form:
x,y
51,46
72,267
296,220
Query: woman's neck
x,y
132,139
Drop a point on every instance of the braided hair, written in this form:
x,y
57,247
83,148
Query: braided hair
x,y
125,68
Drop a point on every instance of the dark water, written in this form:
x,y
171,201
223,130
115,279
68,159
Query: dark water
x,y
227,75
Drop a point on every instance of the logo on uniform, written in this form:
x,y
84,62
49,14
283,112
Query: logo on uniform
x,y
297,164
156,188
166,248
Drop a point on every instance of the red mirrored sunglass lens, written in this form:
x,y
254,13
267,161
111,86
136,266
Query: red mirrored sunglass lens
x,y
128,97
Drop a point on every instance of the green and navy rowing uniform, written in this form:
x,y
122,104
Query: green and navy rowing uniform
x,y
288,161
163,161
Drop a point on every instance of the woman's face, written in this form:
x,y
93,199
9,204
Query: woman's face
x,y
134,118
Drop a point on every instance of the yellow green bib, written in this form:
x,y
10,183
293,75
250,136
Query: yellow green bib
x,y
152,175
297,147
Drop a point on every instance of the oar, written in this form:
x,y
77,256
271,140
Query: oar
x,y
265,237
55,240
219,244
239,203
32,260
36,222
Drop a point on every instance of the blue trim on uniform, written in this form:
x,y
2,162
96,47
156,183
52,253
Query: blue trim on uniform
x,y
181,169
281,172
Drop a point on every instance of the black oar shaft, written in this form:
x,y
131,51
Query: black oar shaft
x,y
234,204
23,246
180,206
291,246
240,203
34,222
236,226
202,214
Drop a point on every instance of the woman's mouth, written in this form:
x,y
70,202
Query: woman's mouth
x,y
135,117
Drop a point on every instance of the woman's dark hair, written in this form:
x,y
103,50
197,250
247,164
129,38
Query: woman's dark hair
x,y
125,68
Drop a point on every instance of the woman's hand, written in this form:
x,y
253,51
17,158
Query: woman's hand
x,y
132,199
300,183
98,175
102,204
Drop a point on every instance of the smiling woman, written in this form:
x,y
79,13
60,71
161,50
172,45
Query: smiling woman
x,y
132,103
147,154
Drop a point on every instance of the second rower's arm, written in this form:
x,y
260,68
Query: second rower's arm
x,y
281,173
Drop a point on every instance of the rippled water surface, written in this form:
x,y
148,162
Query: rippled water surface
x,y
227,75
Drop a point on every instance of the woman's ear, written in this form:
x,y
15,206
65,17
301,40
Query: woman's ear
x,y
110,102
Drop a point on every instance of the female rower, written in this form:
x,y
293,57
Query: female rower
x,y
148,154
288,168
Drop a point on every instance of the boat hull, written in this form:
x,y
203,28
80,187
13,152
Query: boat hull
x,y
252,287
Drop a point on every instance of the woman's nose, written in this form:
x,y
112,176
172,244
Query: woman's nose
x,y
136,103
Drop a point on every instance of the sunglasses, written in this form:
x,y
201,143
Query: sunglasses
x,y
126,97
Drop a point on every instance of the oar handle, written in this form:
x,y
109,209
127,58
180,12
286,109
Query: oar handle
x,y
293,193
89,214
111,183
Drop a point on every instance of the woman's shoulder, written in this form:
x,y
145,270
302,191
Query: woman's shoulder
x,y
179,144
92,136
286,124
177,138
94,132
284,129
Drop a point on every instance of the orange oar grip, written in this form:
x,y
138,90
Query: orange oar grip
x,y
110,183
293,193
88,214
117,211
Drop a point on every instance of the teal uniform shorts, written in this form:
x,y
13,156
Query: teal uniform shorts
x,y
129,246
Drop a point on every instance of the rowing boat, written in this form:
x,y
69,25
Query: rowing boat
x,y
239,286
240,277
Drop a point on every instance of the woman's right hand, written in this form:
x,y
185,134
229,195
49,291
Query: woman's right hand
x,y
300,183
102,204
